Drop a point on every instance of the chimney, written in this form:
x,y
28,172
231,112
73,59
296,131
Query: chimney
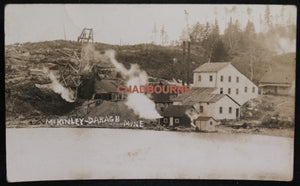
x,y
183,55
188,63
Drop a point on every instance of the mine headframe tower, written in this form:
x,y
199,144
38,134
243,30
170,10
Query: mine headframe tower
x,y
86,35
72,74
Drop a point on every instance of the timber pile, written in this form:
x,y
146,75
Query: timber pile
x,y
270,110
108,108
24,65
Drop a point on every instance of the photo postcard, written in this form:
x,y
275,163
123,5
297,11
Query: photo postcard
x,y
151,91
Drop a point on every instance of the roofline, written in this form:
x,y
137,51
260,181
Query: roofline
x,y
233,100
245,76
163,101
201,101
206,117
228,63
206,71
261,84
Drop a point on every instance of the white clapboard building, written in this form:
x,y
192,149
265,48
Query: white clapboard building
x,y
208,103
227,79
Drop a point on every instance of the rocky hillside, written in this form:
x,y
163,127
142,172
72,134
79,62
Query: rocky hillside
x,y
23,99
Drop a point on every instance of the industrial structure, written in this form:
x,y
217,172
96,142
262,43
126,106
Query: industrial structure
x,y
227,79
278,83
86,35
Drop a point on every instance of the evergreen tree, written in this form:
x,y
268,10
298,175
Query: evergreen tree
x,y
220,52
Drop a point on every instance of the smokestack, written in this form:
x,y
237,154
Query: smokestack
x,y
65,33
183,55
188,63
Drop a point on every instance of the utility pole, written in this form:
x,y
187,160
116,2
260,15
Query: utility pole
x,y
183,56
65,33
188,47
188,62
154,34
187,24
162,36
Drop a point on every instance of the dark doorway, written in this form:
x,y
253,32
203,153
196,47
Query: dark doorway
x,y
237,113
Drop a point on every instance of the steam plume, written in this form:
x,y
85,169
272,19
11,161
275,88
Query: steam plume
x,y
65,93
139,102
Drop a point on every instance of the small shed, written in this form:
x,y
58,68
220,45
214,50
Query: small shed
x,y
278,83
205,124
107,90
162,101
175,115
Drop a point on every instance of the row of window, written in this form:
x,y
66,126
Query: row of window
x,y
220,110
237,90
229,110
176,120
221,78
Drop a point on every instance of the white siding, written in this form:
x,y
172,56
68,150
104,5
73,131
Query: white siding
x,y
206,125
205,81
243,82
229,70
208,109
212,109
225,103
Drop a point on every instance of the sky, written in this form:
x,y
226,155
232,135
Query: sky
x,y
124,23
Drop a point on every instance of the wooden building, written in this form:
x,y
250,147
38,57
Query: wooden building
x,y
209,104
278,83
107,90
176,115
227,79
162,101
205,124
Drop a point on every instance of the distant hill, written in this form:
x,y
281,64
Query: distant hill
x,y
162,61
23,61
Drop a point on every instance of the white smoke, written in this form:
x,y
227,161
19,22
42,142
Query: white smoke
x,y
286,45
281,44
65,93
139,102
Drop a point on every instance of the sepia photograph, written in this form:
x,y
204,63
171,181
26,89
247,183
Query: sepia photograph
x,y
150,91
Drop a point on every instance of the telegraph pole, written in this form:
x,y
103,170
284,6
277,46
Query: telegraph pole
x,y
188,47
183,55
188,62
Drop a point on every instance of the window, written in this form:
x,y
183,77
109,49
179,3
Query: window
x,y
221,90
165,120
210,123
176,120
221,78
229,78
246,89
229,90
220,110
210,78
253,89
201,109
199,78
237,79
237,91
230,110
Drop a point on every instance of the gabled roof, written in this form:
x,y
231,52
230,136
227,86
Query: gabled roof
x,y
175,110
278,77
212,67
203,118
161,98
105,86
199,94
